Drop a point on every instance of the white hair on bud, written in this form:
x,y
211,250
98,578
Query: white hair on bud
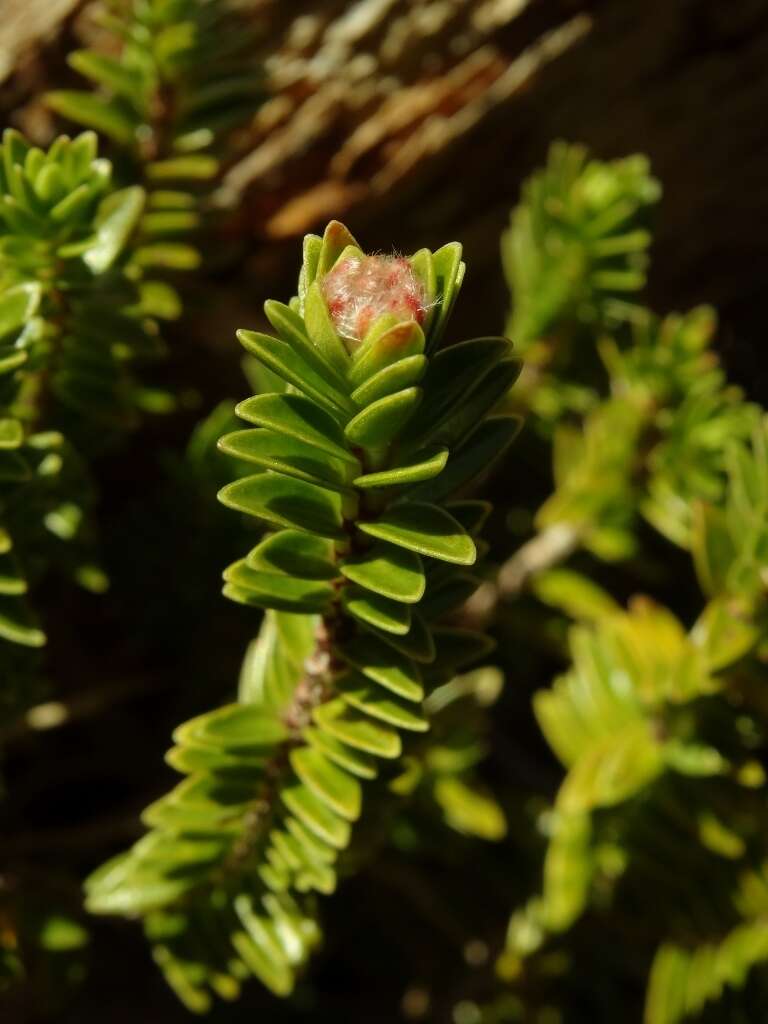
x,y
359,291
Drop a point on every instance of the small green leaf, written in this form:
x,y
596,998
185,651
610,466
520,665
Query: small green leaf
x,y
417,643
388,570
106,70
389,616
17,624
105,115
298,554
447,595
458,648
390,380
380,351
336,238
17,306
327,781
283,360
422,466
354,761
321,330
281,501
382,421
449,272
191,167
372,700
116,218
11,433
276,590
476,456
425,529
452,376
380,663
167,256
287,455
233,727
291,328
297,417
357,730
315,814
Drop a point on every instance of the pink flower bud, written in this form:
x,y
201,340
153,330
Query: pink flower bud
x,y
359,291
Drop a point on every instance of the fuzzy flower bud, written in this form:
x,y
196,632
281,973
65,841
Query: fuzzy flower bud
x,y
359,291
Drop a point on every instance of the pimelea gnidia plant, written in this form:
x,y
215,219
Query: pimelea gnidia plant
x,y
174,80
356,464
70,326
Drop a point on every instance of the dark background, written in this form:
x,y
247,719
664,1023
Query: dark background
x,y
465,112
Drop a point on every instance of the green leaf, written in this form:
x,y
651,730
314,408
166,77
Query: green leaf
x,y
17,306
487,444
458,648
388,570
451,377
380,663
422,466
286,455
191,167
612,770
282,501
298,554
449,271
425,529
382,421
104,115
389,616
390,380
321,330
11,433
283,360
108,71
116,218
372,700
275,590
327,781
577,595
469,810
447,595
298,417
424,268
167,256
417,643
378,352
314,813
351,760
336,238
234,727
290,326
17,624
357,730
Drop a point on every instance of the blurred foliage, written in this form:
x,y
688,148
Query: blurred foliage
x,y
656,845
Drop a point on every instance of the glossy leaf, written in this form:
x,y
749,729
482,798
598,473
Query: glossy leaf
x,y
285,502
356,730
286,455
422,466
384,420
388,570
380,663
387,615
330,783
372,700
425,529
297,417
298,554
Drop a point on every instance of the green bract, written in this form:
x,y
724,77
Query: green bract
x,y
353,465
